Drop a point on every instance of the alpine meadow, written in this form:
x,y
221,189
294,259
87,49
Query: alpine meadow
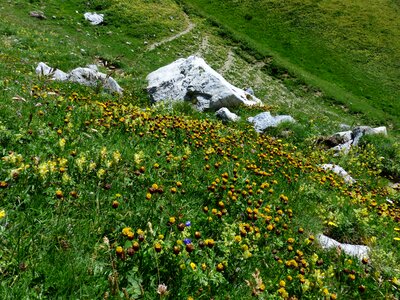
x,y
119,180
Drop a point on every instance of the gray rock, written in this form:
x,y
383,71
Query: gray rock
x,y
193,80
264,120
225,115
86,76
94,18
44,70
90,77
347,139
358,251
339,171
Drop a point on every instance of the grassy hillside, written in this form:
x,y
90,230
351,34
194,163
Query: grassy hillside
x,y
106,197
348,49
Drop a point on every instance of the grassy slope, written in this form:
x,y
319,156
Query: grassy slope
x,y
349,50
52,244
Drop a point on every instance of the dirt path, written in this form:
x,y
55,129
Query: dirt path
x,y
174,37
228,63
203,47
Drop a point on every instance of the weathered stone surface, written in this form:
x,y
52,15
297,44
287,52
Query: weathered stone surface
x,y
94,18
343,141
193,80
339,171
358,251
225,115
44,70
264,120
90,77
87,76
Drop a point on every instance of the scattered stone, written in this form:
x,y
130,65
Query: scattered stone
x,y
193,80
264,120
339,171
38,14
44,70
225,115
88,76
94,18
344,140
358,251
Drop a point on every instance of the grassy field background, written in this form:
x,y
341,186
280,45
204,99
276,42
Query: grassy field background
x,y
350,50
108,197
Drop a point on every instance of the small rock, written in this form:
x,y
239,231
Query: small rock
x,y
44,70
264,120
339,171
94,18
358,251
38,14
225,115
87,76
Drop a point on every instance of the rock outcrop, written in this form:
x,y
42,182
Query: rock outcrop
x,y
88,76
193,80
264,120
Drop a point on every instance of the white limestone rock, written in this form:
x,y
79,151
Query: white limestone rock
x,y
339,171
264,120
358,251
225,115
90,77
351,138
87,76
44,70
193,80
94,18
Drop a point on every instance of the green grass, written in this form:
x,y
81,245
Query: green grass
x,y
95,189
348,50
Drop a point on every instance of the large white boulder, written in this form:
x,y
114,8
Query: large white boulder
x,y
193,80
87,76
264,120
358,251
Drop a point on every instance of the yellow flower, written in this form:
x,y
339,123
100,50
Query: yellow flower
x,y
2,214
126,230
62,143
193,266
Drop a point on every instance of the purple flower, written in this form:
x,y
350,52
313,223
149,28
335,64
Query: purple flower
x,y
188,223
187,241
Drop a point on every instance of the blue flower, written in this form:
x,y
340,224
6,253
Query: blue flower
x,y
187,241
188,223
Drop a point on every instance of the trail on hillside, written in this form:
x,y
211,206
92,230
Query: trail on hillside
x,y
189,28
228,63
204,46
